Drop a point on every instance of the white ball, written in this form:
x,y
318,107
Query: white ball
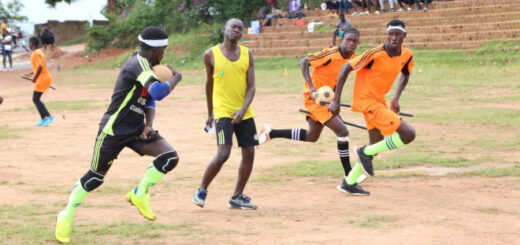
x,y
325,94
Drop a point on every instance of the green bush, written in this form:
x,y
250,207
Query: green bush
x,y
174,16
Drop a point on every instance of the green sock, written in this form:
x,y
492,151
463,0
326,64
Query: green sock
x,y
151,177
76,196
354,174
390,143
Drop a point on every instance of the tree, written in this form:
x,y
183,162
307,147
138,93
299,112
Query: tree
x,y
53,3
11,11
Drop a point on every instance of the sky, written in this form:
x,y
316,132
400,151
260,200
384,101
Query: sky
x,y
38,12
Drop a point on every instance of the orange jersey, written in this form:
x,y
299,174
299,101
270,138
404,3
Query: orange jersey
x,y
327,64
376,74
44,80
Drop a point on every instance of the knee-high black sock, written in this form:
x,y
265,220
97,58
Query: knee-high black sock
x,y
344,156
298,134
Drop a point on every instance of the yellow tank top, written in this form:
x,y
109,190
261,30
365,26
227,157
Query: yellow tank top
x,y
229,83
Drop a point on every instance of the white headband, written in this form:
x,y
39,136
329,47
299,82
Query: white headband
x,y
389,28
154,43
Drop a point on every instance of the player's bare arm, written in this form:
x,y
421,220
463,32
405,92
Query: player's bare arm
x,y
250,91
149,114
403,81
342,78
177,77
209,62
304,65
38,72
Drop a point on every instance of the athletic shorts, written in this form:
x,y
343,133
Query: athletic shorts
x,y
382,118
108,147
318,113
245,132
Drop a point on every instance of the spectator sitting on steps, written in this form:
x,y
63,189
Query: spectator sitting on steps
x,y
342,25
332,5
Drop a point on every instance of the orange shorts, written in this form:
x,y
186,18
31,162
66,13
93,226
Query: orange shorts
x,y
318,113
41,85
383,119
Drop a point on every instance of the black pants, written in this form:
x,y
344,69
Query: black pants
x,y
39,105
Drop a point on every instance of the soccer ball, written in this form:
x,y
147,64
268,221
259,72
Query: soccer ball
x,y
324,93
162,72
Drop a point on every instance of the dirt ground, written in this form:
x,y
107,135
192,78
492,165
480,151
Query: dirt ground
x,y
41,165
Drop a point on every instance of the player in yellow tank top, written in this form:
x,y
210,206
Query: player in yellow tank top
x,y
229,84
230,89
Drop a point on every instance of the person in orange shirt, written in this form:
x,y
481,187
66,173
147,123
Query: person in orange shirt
x,y
42,81
3,26
376,70
327,65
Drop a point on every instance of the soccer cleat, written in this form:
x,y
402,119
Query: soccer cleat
x,y
47,121
199,197
241,202
354,189
142,204
264,135
365,160
40,123
63,228
361,178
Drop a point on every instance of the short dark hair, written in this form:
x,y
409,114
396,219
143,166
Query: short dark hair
x,y
396,22
351,30
34,41
152,33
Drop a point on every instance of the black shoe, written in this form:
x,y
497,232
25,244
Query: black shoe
x,y
366,161
354,189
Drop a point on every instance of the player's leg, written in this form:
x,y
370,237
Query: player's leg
x,y
240,200
337,126
404,134
297,134
40,107
356,174
105,151
245,132
398,134
165,160
224,131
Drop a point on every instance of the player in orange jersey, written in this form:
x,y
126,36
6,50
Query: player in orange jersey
x,y
376,70
42,80
327,65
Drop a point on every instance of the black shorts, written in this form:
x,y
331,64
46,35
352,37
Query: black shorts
x,y
245,132
108,147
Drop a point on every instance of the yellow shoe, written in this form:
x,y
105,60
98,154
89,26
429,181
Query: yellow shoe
x,y
142,205
63,227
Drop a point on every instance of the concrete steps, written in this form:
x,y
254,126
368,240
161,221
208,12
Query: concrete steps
x,y
413,30
301,51
461,24
410,40
445,12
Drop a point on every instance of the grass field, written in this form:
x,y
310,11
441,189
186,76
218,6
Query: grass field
x,y
462,169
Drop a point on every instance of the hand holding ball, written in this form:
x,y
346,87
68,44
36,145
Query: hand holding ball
x,y
324,93
164,73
